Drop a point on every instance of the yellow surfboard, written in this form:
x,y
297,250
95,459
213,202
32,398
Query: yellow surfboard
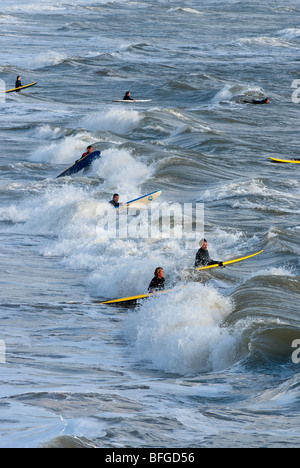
x,y
290,161
133,298
20,88
216,265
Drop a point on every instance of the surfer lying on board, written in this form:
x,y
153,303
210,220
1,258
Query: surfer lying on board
x,y
158,282
18,83
202,256
258,101
127,97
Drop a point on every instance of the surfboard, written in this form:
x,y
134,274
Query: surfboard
x,y
21,87
84,162
132,101
142,201
216,265
133,298
285,161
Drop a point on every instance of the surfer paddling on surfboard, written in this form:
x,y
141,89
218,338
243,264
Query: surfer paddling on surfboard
x,y
158,282
202,256
258,101
127,97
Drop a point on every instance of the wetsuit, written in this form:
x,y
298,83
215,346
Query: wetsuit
x,y
256,101
262,101
157,284
127,98
114,203
18,85
203,259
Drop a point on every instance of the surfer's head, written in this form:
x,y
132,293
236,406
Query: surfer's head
x,y
116,197
203,244
90,149
159,272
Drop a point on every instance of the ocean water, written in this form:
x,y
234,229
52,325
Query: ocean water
x,y
209,365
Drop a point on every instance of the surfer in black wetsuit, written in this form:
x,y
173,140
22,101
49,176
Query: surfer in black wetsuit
x,y
18,83
258,101
202,256
158,282
115,200
127,97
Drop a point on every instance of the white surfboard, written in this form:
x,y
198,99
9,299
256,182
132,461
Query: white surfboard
x,y
132,101
142,201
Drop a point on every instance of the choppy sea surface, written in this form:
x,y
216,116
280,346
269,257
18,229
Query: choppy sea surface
x,y
209,365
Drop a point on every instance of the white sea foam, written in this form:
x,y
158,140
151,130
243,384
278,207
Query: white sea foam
x,y
9,19
121,172
182,332
265,41
38,61
273,272
65,150
49,58
186,10
42,6
251,187
48,132
290,33
232,90
115,120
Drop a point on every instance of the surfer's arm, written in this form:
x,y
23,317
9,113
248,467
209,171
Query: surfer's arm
x,y
214,262
151,286
83,156
203,261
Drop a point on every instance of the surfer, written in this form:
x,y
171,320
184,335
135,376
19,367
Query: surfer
x,y
115,201
89,150
202,256
127,97
158,282
18,83
258,101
